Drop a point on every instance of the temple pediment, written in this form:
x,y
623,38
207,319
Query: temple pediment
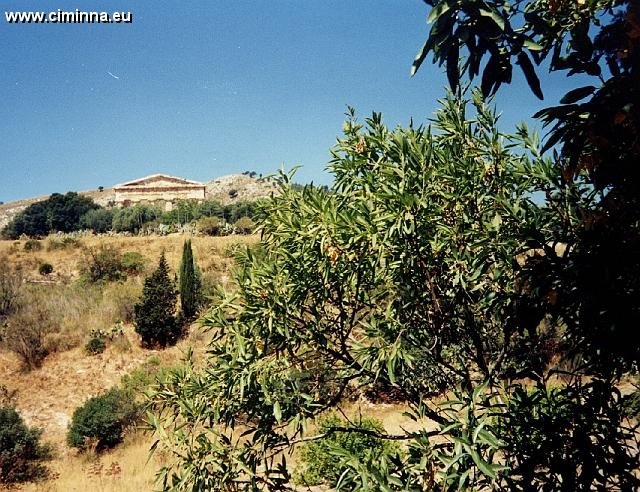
x,y
158,181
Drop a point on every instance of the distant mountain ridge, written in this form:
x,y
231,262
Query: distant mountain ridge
x,y
228,189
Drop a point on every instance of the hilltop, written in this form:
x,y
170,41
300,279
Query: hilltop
x,y
229,189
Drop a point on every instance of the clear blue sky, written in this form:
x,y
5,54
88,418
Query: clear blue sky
x,y
208,88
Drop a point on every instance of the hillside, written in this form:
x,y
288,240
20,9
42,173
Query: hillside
x,y
48,395
229,189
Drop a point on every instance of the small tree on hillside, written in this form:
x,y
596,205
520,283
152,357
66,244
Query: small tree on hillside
x,y
190,283
154,314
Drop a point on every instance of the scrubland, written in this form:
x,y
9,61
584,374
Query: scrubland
x,y
69,308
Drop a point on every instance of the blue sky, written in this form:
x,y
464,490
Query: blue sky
x,y
207,88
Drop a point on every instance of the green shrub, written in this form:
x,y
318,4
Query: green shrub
x,y
209,226
45,269
64,243
10,287
244,225
138,381
95,345
32,245
324,460
104,263
98,220
21,453
27,334
632,404
133,262
102,421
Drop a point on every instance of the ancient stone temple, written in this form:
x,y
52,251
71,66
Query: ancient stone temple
x,y
159,189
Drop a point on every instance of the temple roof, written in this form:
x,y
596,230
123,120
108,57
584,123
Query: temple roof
x,y
158,180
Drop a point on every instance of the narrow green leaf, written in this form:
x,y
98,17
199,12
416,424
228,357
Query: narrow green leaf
x,y
577,94
494,16
532,45
437,11
530,74
277,412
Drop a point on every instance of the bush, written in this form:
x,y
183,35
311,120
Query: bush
x,y
95,346
65,243
98,220
103,420
26,332
21,453
45,269
632,404
32,245
326,459
209,226
10,288
132,219
104,263
133,262
244,225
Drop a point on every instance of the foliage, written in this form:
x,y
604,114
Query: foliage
x,y
235,211
426,261
595,127
98,220
326,459
132,219
102,421
10,288
548,430
597,39
58,213
133,262
415,247
26,334
210,226
65,243
190,283
632,405
154,313
103,263
244,225
45,269
21,452
32,245
95,346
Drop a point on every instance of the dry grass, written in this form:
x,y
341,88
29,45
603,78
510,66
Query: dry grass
x,y
126,468
47,396
210,252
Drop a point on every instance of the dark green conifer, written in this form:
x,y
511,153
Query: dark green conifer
x,y
189,283
154,314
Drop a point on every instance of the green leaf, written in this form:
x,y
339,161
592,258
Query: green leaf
x,y
532,45
422,54
437,11
482,464
277,412
494,16
530,74
577,94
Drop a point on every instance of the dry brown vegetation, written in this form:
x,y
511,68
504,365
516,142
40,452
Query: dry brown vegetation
x,y
47,396
68,309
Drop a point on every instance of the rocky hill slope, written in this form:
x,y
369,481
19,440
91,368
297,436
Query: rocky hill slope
x,y
225,189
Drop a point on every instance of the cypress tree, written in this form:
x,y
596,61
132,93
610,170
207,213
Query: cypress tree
x,y
155,320
190,283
